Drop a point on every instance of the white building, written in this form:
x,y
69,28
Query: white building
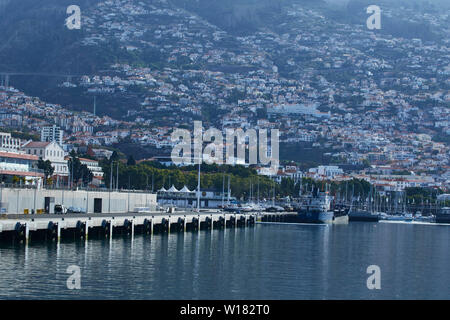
x,y
328,172
20,165
54,133
49,151
185,198
93,166
9,144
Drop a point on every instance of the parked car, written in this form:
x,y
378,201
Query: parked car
x,y
75,210
142,210
60,209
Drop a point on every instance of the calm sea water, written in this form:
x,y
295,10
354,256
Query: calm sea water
x,y
265,262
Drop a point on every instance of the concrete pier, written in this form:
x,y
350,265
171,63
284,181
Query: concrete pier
x,y
51,227
277,216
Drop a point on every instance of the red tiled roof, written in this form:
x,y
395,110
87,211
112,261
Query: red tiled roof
x,y
36,144
87,160
81,159
18,156
22,173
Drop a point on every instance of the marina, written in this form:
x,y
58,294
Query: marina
x,y
52,215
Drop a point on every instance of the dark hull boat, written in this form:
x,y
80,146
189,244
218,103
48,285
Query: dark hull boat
x,y
443,216
363,215
314,217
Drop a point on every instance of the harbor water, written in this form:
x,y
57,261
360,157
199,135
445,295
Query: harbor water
x,y
269,261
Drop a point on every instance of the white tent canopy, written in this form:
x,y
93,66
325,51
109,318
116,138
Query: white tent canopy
x,y
185,189
173,189
162,190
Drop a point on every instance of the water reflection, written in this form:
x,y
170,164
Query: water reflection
x,y
265,262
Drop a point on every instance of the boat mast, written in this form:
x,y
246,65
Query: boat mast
x,y
223,188
258,188
228,192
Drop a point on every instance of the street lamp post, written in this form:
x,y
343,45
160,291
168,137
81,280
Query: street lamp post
x,y
111,175
198,185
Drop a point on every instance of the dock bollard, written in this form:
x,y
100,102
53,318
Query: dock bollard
x,y
128,227
19,230
241,221
195,224
81,229
180,224
146,226
52,231
164,223
221,222
106,228
207,223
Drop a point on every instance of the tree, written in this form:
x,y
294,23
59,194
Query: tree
x,y
366,163
131,161
78,171
86,175
114,156
47,167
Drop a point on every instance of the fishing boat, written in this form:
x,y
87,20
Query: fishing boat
x,y
420,218
404,217
315,209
